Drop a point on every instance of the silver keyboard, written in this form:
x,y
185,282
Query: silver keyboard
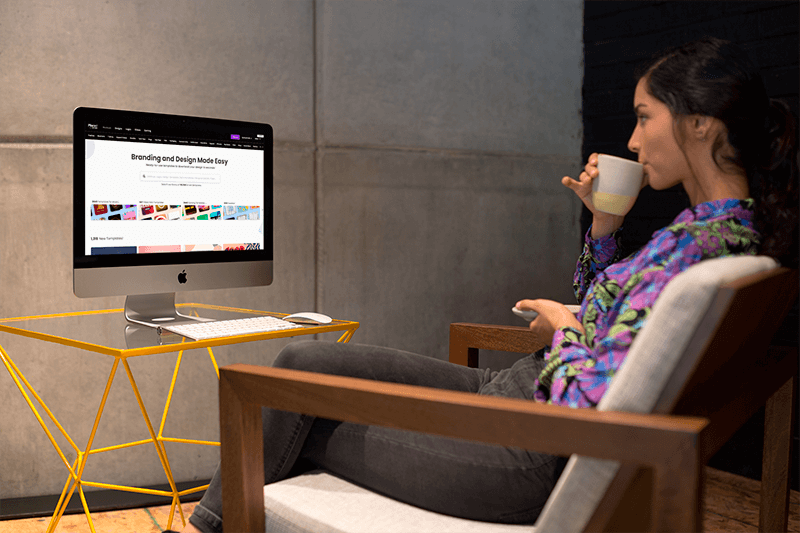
x,y
200,331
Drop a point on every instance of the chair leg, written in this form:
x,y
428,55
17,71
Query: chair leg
x,y
678,495
774,511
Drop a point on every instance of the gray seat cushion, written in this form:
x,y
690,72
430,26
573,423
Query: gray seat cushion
x,y
321,502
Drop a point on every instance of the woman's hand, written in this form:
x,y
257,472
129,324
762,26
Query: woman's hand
x,y
603,223
552,316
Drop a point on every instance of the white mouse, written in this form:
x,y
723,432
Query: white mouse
x,y
308,318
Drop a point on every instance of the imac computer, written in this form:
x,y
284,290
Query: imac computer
x,y
166,203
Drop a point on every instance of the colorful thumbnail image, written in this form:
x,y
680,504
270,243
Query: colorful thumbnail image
x,y
159,212
242,246
202,247
201,212
158,249
112,212
241,212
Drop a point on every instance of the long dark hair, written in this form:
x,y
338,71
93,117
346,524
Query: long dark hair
x,y
715,78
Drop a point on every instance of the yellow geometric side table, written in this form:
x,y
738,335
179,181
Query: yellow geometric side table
x,y
134,341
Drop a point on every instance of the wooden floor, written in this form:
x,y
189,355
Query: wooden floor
x,y
731,505
151,520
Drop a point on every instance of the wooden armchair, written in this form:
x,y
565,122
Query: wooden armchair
x,y
636,461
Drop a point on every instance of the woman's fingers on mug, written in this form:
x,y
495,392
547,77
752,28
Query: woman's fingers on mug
x,y
583,185
581,188
566,181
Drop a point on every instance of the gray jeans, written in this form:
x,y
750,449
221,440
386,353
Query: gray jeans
x,y
449,476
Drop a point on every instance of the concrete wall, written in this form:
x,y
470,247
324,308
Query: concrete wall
x,y
419,149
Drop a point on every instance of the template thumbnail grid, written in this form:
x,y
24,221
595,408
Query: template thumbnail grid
x,y
174,212
185,212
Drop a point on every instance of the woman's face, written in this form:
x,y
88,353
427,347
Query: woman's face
x,y
653,140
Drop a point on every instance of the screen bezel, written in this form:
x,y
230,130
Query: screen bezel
x,y
176,124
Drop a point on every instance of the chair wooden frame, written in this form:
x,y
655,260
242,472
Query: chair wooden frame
x,y
659,485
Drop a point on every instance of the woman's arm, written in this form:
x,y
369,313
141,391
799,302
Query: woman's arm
x,y
597,255
601,244
582,362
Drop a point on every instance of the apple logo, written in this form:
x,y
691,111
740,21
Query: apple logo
x,y
182,277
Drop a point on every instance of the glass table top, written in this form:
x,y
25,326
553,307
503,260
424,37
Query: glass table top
x,y
108,331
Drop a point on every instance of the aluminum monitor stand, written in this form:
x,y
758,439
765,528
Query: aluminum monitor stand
x,y
156,310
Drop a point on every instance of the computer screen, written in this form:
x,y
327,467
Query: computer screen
x,y
165,203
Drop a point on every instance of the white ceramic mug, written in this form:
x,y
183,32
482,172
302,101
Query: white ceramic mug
x,y
617,185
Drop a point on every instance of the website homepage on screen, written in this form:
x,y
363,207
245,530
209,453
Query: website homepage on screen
x,y
150,194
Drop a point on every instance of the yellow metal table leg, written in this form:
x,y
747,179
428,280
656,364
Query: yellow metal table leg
x,y
161,434
158,445
66,495
82,458
161,439
213,361
86,509
169,394
348,334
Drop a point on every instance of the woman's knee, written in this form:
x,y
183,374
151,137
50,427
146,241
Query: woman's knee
x,y
326,357
301,355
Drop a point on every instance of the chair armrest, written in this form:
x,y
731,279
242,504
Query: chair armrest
x,y
466,339
668,443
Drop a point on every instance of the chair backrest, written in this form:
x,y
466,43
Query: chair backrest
x,y
662,359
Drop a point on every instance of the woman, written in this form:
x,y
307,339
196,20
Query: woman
x,y
703,121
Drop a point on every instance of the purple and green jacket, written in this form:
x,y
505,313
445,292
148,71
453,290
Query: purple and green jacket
x,y
617,295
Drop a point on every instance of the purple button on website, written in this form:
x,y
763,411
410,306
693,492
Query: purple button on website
x,y
234,137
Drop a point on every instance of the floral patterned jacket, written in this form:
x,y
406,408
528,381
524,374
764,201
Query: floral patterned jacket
x,y
616,296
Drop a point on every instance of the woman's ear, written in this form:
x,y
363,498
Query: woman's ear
x,y
701,126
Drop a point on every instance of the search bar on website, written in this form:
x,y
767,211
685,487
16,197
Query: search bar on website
x,y
179,177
